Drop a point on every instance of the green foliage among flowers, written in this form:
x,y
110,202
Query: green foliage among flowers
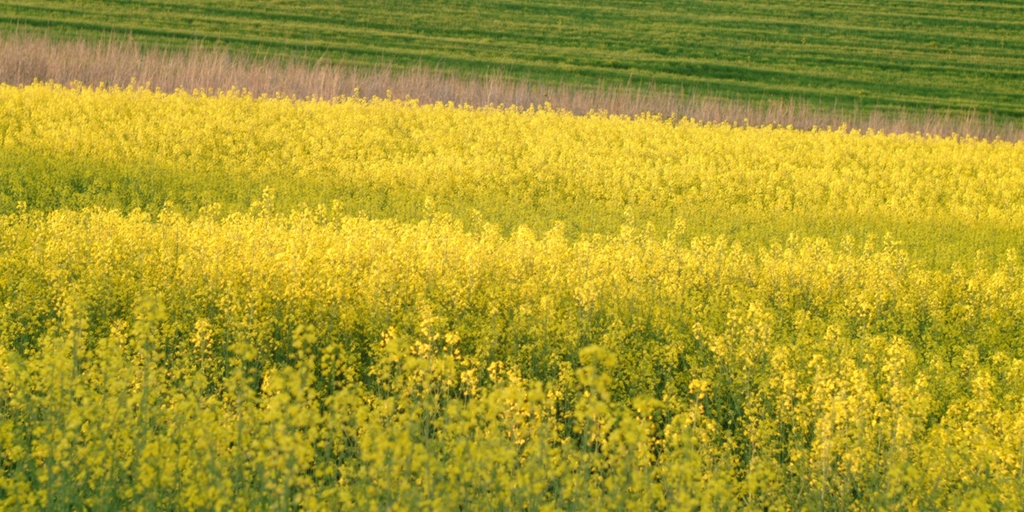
x,y
377,332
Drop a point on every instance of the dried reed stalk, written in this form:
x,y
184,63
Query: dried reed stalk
x,y
28,57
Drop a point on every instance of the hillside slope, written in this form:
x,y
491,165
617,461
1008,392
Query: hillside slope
x,y
943,55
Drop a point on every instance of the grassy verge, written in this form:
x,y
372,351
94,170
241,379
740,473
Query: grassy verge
x,y
26,57
941,55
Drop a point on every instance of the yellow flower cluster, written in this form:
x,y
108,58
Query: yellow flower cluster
x,y
274,362
130,148
384,306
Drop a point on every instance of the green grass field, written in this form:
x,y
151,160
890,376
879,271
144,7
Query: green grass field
x,y
921,55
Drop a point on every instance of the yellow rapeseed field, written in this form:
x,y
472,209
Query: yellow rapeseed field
x,y
211,301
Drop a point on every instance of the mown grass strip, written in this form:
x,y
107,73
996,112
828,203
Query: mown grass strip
x,y
935,55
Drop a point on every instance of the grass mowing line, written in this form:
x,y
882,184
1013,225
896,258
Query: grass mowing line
x,y
25,58
890,47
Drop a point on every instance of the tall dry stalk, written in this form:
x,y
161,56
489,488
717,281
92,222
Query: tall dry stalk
x,y
26,57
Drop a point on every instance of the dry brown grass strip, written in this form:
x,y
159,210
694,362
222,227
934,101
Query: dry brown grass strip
x,y
28,57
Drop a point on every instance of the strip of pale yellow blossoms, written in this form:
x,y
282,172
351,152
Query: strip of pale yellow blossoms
x,y
497,309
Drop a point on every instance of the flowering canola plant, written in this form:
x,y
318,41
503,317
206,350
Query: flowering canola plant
x,y
945,199
219,302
